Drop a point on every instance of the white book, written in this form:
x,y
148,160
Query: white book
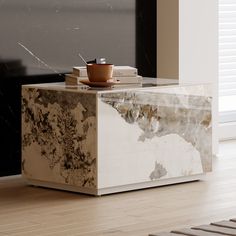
x,y
118,71
129,79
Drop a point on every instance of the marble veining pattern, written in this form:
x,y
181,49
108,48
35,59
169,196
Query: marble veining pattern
x,y
158,172
159,114
59,136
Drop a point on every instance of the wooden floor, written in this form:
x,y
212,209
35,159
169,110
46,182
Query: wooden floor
x,y
27,211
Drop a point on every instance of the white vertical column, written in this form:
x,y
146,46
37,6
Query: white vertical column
x,y
198,49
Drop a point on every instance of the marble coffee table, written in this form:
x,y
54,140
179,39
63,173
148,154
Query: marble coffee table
x,y
101,141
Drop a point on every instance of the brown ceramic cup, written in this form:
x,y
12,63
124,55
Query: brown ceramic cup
x,y
99,72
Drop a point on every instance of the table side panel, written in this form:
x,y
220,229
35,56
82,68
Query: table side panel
x,y
149,135
59,141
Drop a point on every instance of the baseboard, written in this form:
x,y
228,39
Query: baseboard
x,y
227,131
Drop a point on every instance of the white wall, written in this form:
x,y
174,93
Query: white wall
x,y
193,24
198,49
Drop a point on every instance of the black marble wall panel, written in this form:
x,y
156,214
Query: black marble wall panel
x,y
10,119
47,35
146,37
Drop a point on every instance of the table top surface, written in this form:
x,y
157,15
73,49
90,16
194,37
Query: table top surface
x,y
148,85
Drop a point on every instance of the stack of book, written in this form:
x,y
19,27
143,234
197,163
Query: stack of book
x,y
122,75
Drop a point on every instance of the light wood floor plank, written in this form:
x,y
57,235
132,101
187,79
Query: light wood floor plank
x,y
165,234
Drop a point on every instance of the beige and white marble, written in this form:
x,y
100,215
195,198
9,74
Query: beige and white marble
x,y
59,137
107,140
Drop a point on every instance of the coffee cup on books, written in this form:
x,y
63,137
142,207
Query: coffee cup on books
x,y
99,72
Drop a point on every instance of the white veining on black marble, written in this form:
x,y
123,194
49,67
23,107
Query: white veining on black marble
x,y
38,59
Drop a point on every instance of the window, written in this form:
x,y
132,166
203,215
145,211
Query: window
x,y
227,67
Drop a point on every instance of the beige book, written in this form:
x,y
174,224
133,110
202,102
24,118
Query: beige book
x,y
72,79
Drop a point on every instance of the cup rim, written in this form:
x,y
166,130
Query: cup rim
x,y
94,64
